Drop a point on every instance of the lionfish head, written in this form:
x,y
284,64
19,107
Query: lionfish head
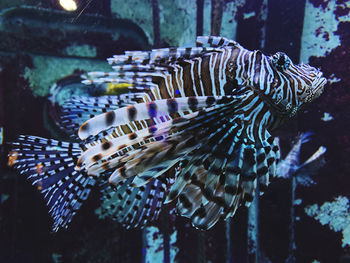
x,y
292,86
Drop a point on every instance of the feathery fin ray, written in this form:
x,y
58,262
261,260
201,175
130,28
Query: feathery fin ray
x,y
49,165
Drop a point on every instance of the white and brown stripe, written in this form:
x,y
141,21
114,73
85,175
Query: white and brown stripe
x,y
205,110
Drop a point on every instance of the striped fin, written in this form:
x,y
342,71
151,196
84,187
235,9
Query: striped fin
x,y
190,198
121,147
248,174
187,185
111,154
105,150
130,161
260,163
273,157
158,156
216,153
200,130
215,41
49,165
262,170
153,160
222,145
134,206
134,77
208,214
240,175
162,55
212,154
190,201
139,68
141,111
221,183
77,110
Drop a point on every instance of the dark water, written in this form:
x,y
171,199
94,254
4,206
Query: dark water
x,y
41,44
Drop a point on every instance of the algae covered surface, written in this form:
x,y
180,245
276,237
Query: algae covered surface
x,y
47,70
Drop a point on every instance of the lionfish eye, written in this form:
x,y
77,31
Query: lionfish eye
x,y
281,61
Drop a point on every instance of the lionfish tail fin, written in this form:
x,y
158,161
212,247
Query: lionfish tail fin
x,y
49,165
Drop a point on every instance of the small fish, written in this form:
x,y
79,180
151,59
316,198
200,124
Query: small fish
x,y
117,88
327,117
194,128
291,166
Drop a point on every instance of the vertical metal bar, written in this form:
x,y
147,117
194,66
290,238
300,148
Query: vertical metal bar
x,y
216,16
228,240
2,113
144,246
156,26
292,246
166,234
201,247
200,10
253,228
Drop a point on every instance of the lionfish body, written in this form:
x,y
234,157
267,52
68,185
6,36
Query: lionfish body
x,y
194,128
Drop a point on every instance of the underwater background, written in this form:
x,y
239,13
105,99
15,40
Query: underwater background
x,y
302,217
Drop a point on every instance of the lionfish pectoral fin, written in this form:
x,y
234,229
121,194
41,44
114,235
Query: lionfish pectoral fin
x,y
206,216
150,174
189,200
201,191
134,206
230,176
162,148
75,111
181,182
49,165
268,156
165,108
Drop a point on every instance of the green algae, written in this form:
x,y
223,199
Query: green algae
x,y
47,70
81,51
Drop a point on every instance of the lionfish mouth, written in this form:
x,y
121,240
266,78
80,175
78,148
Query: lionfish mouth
x,y
318,85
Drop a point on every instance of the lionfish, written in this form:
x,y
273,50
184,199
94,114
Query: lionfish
x,y
291,166
194,128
